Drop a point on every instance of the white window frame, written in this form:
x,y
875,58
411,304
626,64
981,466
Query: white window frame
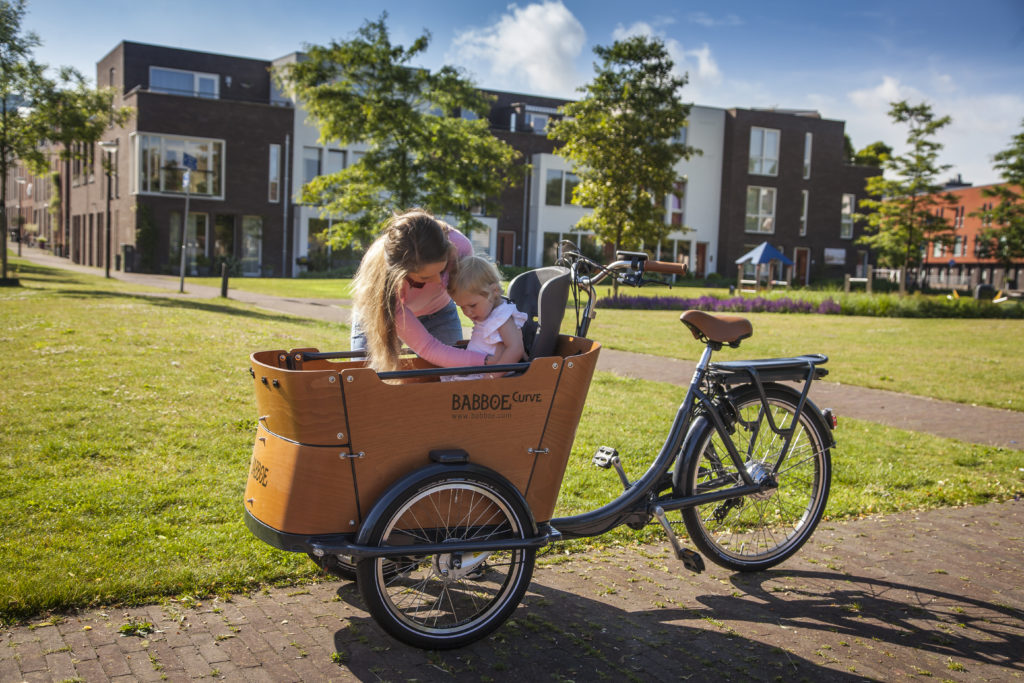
x,y
762,217
197,77
808,139
274,175
764,157
140,177
847,209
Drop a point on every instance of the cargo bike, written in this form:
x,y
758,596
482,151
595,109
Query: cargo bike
x,y
439,515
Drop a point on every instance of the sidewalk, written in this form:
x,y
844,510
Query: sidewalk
x,y
930,596
974,424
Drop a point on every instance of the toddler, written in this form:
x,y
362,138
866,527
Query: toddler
x,y
497,323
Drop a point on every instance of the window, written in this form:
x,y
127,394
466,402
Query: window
x,y
760,210
310,163
161,169
959,246
195,240
558,188
335,161
190,83
937,249
805,200
676,204
764,151
846,216
807,155
274,174
252,244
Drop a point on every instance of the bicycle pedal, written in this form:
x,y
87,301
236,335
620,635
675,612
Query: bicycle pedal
x,y
691,560
605,457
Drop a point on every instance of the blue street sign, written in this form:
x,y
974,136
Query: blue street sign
x,y
189,161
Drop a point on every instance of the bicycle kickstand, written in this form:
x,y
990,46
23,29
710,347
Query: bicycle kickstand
x,y
690,559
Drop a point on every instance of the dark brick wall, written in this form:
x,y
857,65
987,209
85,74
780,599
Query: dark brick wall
x,y
830,179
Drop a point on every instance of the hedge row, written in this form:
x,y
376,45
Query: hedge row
x,y
915,306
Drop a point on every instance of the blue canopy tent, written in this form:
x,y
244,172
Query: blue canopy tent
x,y
762,254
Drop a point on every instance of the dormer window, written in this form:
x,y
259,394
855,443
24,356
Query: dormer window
x,y
187,83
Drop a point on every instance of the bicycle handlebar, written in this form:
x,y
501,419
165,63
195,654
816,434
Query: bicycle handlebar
x,y
665,267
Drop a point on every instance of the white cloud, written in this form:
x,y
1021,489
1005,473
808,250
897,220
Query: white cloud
x,y
531,49
708,21
697,63
982,123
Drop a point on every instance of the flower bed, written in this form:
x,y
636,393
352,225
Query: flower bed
x,y
739,304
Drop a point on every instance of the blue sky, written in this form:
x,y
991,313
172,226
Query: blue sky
x,y
846,60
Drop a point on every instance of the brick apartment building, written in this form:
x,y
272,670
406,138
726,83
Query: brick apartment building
x,y
960,265
762,175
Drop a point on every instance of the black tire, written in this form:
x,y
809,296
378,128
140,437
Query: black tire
x,y
340,566
753,533
433,601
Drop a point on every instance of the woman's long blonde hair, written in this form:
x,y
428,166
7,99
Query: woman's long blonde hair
x,y
409,241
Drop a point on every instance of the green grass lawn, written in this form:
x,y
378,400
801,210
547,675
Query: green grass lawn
x,y
307,288
967,361
127,426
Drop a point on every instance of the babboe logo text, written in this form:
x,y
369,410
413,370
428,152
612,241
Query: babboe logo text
x,y
492,402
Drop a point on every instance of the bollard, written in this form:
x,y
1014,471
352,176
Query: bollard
x,y
224,280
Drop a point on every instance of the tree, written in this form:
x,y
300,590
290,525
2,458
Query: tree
x,y
428,136
1004,239
20,78
71,112
623,140
875,155
904,215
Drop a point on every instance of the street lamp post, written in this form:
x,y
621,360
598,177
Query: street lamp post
x,y
110,147
21,183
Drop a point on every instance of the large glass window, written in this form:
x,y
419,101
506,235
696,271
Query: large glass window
x,y
274,174
161,167
178,82
195,241
764,151
311,160
846,216
553,189
760,209
559,187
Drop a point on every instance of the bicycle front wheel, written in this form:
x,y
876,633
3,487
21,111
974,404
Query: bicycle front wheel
x,y
755,532
451,599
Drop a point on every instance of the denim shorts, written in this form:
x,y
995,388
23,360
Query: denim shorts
x,y
444,325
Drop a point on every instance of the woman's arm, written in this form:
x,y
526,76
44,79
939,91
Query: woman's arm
x,y
511,349
430,348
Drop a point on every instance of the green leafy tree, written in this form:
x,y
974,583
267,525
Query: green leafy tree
x,y
428,138
903,216
20,79
875,154
1004,238
74,116
623,140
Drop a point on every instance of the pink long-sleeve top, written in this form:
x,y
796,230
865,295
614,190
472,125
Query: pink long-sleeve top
x,y
431,298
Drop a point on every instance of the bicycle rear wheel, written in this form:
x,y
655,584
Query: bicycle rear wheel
x,y
755,532
451,599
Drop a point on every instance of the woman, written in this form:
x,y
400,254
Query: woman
x,y
400,294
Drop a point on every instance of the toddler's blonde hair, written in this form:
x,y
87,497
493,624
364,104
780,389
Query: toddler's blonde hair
x,y
476,275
